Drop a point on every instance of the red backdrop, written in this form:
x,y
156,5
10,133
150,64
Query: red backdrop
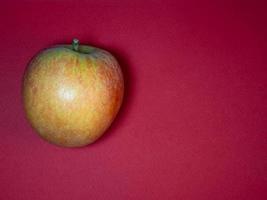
x,y
193,123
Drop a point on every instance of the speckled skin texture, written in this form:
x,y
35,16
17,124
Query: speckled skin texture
x,y
71,98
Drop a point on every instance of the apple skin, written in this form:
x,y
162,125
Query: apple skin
x,y
71,97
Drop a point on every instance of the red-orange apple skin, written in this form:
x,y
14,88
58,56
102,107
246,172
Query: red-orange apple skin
x,y
71,97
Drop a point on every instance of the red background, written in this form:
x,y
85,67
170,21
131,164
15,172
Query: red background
x,y
193,123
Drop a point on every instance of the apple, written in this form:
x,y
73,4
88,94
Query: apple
x,y
72,93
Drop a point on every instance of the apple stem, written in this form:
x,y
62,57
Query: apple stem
x,y
75,44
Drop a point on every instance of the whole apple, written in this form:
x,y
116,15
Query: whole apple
x,y
72,93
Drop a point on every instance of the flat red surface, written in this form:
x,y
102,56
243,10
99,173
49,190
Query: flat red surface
x,y
193,123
